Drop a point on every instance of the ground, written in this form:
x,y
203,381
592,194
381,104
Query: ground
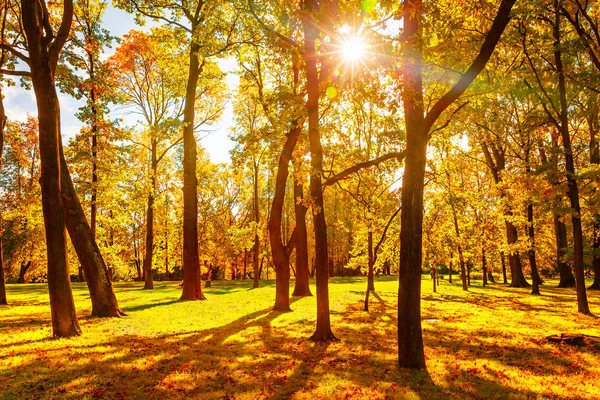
x,y
485,343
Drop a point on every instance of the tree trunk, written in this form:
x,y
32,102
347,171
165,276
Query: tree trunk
x,y
573,191
95,270
535,276
281,252
149,282
301,286
595,160
484,267
23,270
463,270
410,336
43,60
490,276
256,247
503,261
450,268
192,280
323,332
370,279
517,279
3,300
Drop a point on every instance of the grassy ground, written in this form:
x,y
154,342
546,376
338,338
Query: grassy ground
x,y
487,343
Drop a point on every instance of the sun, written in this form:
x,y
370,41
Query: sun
x,y
354,49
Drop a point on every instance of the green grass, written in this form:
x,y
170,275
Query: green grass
x,y
487,343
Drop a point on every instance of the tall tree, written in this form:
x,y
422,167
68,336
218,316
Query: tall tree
x,y
44,47
211,29
418,130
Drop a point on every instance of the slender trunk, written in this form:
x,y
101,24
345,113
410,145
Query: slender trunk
x,y
301,287
463,270
535,276
450,268
245,262
595,160
573,191
3,300
503,261
94,128
149,282
43,64
323,332
167,277
192,281
370,280
484,267
256,247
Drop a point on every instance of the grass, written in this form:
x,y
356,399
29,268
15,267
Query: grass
x,y
487,343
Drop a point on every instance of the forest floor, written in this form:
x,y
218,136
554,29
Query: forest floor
x,y
485,343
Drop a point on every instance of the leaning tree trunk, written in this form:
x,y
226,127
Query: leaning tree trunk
x,y
102,295
149,279
281,252
192,284
301,286
43,58
573,191
323,332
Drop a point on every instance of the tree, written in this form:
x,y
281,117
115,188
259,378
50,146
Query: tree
x,y
558,114
211,29
44,47
418,129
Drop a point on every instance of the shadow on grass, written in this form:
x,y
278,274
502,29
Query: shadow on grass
x,y
250,357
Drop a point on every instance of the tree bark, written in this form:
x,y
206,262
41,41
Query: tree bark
x,y
99,282
149,280
484,267
192,280
23,270
256,248
43,56
279,251
410,337
3,300
573,191
595,160
503,261
301,286
323,332
463,270
535,276
417,127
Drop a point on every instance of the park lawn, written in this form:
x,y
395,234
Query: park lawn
x,y
485,343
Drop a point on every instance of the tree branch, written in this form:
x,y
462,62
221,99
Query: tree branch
x,y
355,168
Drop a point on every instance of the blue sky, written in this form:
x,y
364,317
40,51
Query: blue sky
x,y
19,102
